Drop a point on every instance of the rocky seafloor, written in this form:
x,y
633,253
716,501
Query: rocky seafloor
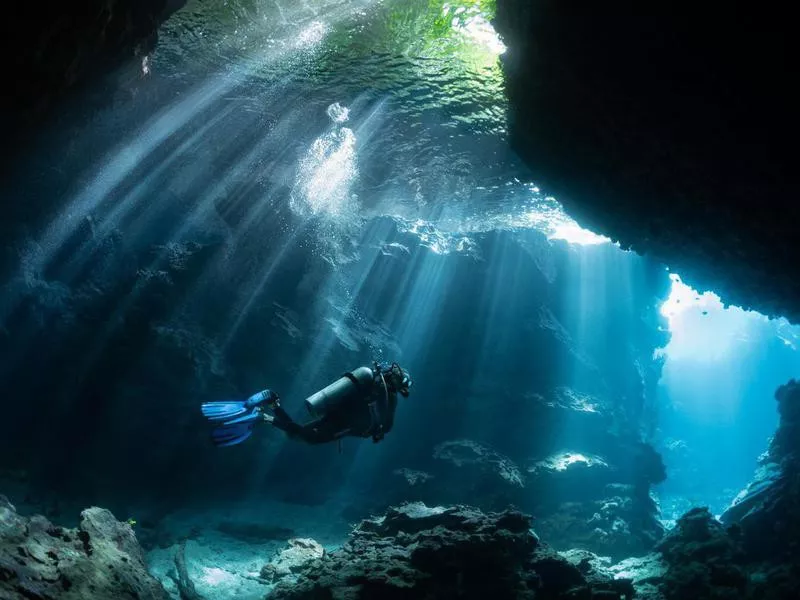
x,y
413,550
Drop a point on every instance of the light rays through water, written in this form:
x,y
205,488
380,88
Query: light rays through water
x,y
284,176
721,367
323,191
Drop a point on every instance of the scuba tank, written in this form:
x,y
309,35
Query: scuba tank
x,y
358,381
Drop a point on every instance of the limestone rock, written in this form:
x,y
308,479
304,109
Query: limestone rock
x,y
701,558
598,572
65,47
767,510
99,559
705,560
291,559
417,551
646,573
562,467
468,453
618,521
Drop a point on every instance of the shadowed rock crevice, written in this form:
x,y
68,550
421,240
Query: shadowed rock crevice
x,y
768,510
52,48
669,129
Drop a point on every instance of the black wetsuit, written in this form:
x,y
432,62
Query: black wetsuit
x,y
365,413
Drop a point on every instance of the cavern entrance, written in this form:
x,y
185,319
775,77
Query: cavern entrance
x,y
721,368
277,193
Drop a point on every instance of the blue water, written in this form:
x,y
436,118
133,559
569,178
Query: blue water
x,y
722,367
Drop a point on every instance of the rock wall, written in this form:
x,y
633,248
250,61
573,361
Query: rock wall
x,y
55,47
768,510
668,129
702,558
751,553
99,559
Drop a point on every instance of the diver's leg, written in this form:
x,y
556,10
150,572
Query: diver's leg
x,y
284,422
315,432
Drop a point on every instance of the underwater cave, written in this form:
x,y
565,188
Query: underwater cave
x,y
561,242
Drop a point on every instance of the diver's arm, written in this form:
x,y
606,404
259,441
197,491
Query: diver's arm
x,y
380,408
388,420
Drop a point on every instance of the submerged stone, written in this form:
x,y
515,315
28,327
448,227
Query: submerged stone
x,y
291,559
99,559
468,453
417,551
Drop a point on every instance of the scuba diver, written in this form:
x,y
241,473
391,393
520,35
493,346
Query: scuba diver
x,y
361,403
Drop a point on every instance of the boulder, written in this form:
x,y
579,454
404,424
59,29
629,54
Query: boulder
x,y
646,573
417,551
99,559
705,560
291,559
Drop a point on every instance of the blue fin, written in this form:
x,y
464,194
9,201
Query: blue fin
x,y
251,417
222,411
232,434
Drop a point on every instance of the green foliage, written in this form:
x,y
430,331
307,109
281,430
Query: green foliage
x,y
444,29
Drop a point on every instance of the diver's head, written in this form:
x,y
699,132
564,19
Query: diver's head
x,y
399,379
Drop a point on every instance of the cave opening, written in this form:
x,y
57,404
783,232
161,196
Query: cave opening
x,y
722,365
